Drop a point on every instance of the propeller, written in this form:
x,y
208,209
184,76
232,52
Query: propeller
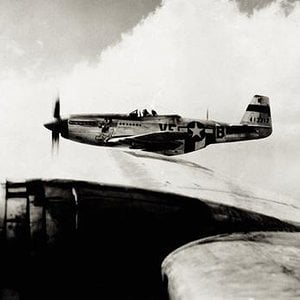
x,y
56,113
56,126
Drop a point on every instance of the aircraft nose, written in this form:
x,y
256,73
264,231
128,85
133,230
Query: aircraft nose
x,y
50,126
60,126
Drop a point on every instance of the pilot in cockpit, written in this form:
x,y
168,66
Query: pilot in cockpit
x,y
146,113
154,113
134,113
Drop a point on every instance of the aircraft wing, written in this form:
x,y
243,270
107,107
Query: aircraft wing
x,y
187,178
123,232
161,140
257,265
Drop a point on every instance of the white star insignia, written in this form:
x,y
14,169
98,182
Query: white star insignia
x,y
196,130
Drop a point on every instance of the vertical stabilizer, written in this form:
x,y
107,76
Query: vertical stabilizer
x,y
258,112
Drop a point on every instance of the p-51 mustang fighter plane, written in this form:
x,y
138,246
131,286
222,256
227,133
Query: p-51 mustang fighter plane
x,y
163,134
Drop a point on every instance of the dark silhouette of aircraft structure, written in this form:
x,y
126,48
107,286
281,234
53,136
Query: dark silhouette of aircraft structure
x,y
163,134
165,238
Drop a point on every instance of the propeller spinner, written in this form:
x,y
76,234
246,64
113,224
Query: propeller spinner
x,y
58,126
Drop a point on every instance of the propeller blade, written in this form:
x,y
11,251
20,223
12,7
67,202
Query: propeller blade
x,y
56,113
55,126
55,140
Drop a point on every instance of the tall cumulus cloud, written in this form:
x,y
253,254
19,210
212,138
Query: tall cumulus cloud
x,y
183,58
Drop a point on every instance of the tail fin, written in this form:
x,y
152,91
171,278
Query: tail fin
x,y
258,112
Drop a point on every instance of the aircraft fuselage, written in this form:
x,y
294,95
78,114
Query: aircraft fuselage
x,y
101,129
164,134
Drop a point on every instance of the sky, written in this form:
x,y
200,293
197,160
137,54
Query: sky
x,y
50,36
174,56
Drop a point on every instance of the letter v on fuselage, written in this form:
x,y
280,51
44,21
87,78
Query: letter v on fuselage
x,y
163,134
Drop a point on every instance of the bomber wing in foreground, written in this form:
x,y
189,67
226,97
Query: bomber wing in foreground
x,y
76,239
163,134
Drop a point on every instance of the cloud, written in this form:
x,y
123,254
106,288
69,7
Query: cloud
x,y
69,30
185,57
198,54
249,7
14,48
40,43
193,55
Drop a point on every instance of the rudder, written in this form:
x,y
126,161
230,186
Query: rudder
x,y
258,112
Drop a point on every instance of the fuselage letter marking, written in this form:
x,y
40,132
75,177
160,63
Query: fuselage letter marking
x,y
220,132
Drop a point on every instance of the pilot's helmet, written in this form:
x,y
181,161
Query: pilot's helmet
x,y
145,112
134,113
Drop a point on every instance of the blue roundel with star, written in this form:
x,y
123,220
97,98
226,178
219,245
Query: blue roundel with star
x,y
196,131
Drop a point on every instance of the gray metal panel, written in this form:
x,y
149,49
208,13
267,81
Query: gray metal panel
x,y
239,266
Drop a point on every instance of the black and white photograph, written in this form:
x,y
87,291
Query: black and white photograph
x,y
150,149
